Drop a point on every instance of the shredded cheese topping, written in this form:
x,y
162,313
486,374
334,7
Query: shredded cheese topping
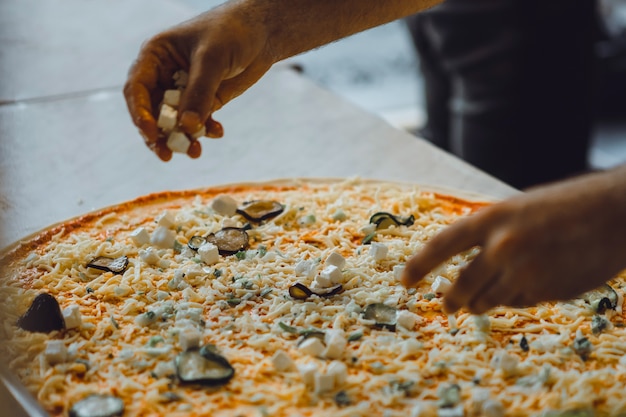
x,y
134,324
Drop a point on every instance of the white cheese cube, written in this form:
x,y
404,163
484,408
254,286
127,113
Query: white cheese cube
x,y
149,256
410,347
482,322
189,339
397,272
339,371
321,281
305,268
508,364
178,142
224,205
199,133
312,346
323,383
307,372
282,361
378,251
336,259
72,317
407,319
140,236
166,219
457,411
336,343
368,229
163,369
167,118
163,237
440,285
171,97
333,274
55,352
209,253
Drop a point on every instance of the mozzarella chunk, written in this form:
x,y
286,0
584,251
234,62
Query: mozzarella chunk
x,y
171,97
336,259
307,372
312,347
440,285
163,237
397,272
482,322
167,118
336,343
72,317
199,133
282,361
149,256
451,411
492,408
140,236
323,383
378,251
209,253
508,364
339,371
178,142
305,268
55,352
333,274
410,347
189,338
407,319
166,219
224,205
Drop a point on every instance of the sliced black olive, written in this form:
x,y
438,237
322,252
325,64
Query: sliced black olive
x,y
300,291
104,263
44,315
382,314
524,344
384,220
259,210
599,324
229,240
601,298
195,242
203,366
98,405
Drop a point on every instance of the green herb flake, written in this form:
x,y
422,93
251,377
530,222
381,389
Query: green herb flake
x,y
178,247
217,273
155,340
241,255
234,301
262,250
114,323
265,291
368,239
355,336
429,296
288,328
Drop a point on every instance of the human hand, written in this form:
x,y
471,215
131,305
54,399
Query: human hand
x,y
552,243
223,50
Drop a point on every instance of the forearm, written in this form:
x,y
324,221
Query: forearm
x,y
296,26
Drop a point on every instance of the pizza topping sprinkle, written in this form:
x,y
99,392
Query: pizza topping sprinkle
x,y
259,210
104,263
582,346
204,366
602,298
383,315
98,406
230,240
599,324
384,220
195,242
43,316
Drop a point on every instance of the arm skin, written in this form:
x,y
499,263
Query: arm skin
x,y
226,50
552,243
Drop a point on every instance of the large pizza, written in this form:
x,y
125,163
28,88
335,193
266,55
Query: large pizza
x,y
283,299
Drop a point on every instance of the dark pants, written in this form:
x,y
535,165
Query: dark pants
x,y
509,84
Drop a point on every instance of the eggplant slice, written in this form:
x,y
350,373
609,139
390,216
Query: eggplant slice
x,y
230,240
382,314
43,316
384,220
300,291
104,263
203,366
259,210
98,405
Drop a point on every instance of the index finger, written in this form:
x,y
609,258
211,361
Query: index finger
x,y
456,238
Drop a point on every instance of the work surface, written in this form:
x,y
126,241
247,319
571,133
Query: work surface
x,y
64,157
